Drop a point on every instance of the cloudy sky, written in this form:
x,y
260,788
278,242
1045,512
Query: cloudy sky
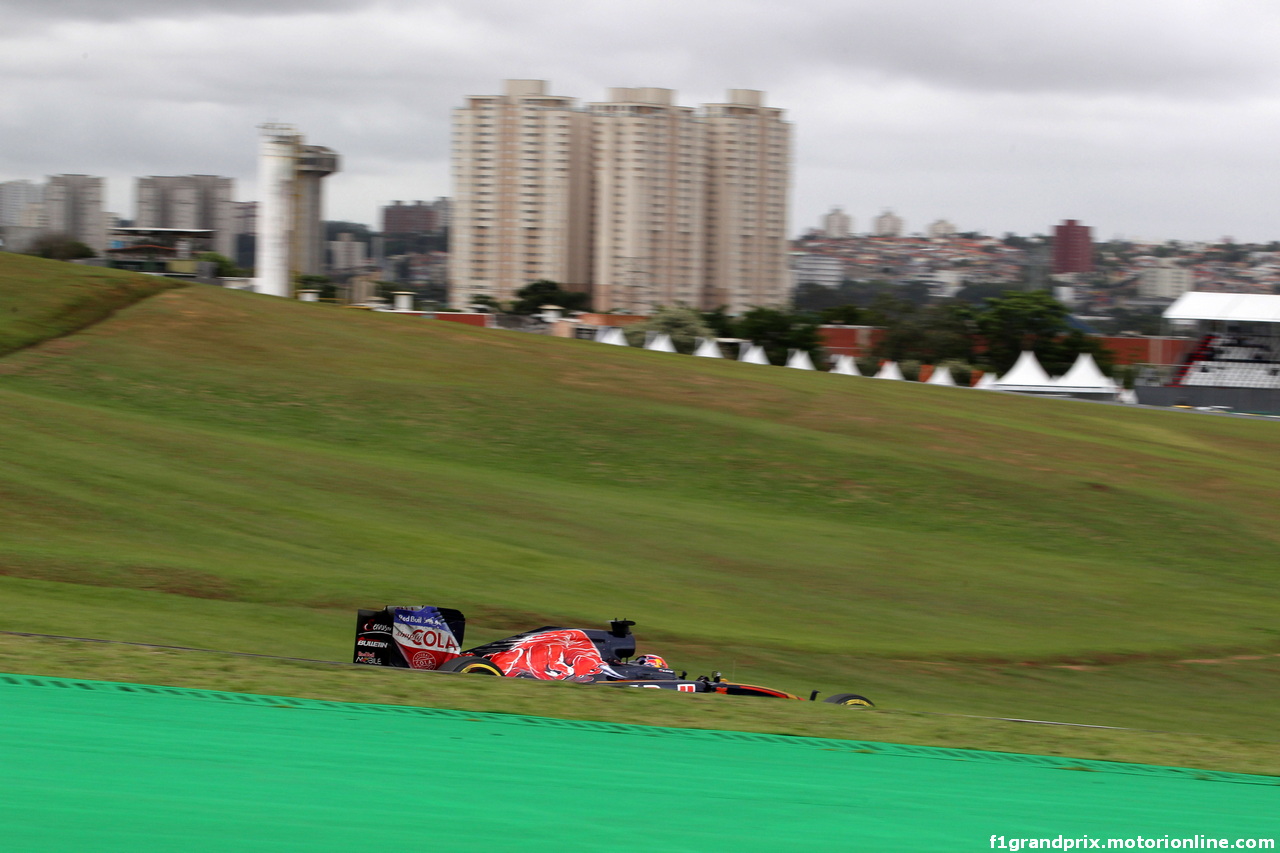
x,y
1144,118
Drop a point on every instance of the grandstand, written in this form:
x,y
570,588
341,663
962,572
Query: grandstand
x,y
1236,361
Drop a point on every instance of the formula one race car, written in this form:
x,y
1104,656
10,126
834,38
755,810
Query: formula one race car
x,y
431,638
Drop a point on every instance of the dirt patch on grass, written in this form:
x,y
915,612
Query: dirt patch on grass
x,y
163,579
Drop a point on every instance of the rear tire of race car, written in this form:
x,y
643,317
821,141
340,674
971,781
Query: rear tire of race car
x,y
852,700
471,665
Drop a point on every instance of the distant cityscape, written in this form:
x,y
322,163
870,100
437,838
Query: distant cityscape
x,y
635,201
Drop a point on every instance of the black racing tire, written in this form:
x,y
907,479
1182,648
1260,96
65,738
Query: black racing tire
x,y
852,700
472,665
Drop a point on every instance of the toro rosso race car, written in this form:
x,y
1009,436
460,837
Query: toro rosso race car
x,y
432,637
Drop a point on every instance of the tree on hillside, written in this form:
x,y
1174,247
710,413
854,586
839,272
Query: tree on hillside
x,y
779,331
226,268
681,322
531,298
1020,320
60,247
843,315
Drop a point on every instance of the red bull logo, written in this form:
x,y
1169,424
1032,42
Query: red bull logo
x,y
554,655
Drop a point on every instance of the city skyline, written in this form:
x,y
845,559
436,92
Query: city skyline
x,y
1146,121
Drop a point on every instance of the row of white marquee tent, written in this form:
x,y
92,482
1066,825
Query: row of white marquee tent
x,y
1026,376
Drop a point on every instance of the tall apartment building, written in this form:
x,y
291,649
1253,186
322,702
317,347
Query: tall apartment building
x,y
421,217
639,200
1165,280
749,157
837,224
1072,248
73,206
888,224
189,201
521,201
940,229
648,201
17,198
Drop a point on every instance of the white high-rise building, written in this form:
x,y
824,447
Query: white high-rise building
x,y
636,199
1165,280
73,206
15,199
837,224
347,254
188,201
887,224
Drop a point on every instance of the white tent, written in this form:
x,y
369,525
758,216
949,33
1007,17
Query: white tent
x,y
612,335
889,370
988,382
707,348
1084,377
752,354
1026,375
846,366
941,376
659,342
1126,395
799,359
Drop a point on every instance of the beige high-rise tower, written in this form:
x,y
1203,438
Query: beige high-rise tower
x,y
749,157
522,193
649,176
637,200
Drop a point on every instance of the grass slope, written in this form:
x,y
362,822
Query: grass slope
x,y
42,300
219,469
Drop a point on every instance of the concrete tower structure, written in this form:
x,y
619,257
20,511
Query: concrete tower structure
x,y
290,213
312,165
188,201
73,206
649,201
522,193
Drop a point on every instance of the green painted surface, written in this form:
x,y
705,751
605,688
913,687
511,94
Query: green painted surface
x,y
93,766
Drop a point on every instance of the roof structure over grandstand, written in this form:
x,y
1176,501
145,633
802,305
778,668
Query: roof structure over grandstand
x,y
1230,307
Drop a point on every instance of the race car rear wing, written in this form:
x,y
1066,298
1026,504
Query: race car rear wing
x,y
409,637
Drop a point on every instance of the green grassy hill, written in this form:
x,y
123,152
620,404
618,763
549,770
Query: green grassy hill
x,y
218,469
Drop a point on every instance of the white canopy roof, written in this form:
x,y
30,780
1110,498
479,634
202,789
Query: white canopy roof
x,y
612,335
1240,307
941,376
1084,375
889,370
799,359
987,382
752,354
707,348
846,366
659,342
1025,373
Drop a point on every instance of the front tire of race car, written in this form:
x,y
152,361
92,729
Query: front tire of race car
x,y
852,700
471,665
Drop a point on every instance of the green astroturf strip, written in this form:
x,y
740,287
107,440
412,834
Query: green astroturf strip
x,y
95,766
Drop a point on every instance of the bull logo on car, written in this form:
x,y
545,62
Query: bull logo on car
x,y
553,655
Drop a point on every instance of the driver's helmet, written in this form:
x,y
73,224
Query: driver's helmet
x,y
651,660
